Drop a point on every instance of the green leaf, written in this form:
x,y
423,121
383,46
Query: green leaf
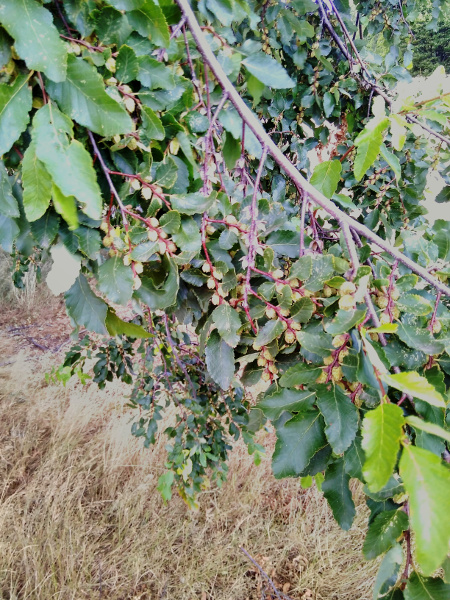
x,y
192,204
267,70
151,127
142,252
354,459
392,161
322,269
427,482
15,105
302,310
419,339
339,497
274,404
45,229
115,280
37,40
82,96
68,162
297,441
9,230
222,10
66,206
381,432
85,308
305,6
116,326
188,237
414,304
154,74
428,427
8,203
37,185
255,88
326,177
387,573
231,150
271,330
220,360
317,343
89,241
284,242
149,20
300,374
344,321
368,145
164,486
341,417
426,588
228,323
383,532
412,383
127,65
163,294
302,268
170,221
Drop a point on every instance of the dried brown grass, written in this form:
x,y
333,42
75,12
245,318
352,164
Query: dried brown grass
x,y
80,516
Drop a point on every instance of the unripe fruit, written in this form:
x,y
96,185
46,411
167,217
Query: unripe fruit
x,y
138,267
210,230
328,360
296,326
211,283
206,268
285,312
171,246
437,326
110,64
279,287
215,299
154,222
348,287
116,139
222,292
267,355
327,291
256,347
322,378
336,373
104,227
127,260
135,184
347,302
107,241
152,235
234,230
132,144
294,283
272,368
217,274
339,340
296,296
146,193
395,312
266,376
136,283
130,104
382,301
231,220
271,313
111,81
384,318
112,253
343,353
289,337
262,362
162,248
278,274
126,89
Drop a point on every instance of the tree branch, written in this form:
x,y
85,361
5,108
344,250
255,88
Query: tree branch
x,y
284,163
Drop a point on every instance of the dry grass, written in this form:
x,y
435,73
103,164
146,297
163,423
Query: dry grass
x,y
80,516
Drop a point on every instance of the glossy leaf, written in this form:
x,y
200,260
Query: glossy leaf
x,y
115,280
271,330
149,20
336,491
84,307
162,295
220,360
15,105
267,70
275,403
388,571
116,326
416,385
426,588
341,417
37,185
191,204
228,323
326,177
8,203
384,531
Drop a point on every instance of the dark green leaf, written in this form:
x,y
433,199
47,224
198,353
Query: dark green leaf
x,y
387,573
268,71
115,280
116,326
383,532
228,323
151,128
15,104
8,203
37,185
341,417
149,20
424,588
220,360
85,308
274,404
191,204
127,66
336,491
271,330
163,295
300,374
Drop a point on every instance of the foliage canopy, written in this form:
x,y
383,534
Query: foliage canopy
x,y
168,154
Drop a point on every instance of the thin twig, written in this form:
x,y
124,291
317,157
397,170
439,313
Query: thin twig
x,y
278,594
441,137
175,353
286,165
302,223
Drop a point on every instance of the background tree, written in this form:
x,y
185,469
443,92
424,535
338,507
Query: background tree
x,y
162,156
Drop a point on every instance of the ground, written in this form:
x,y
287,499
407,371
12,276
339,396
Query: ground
x,y
80,516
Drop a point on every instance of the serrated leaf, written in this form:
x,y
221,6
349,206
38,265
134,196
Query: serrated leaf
x,y
116,326
192,204
382,431
368,145
271,330
66,206
337,492
115,280
414,304
387,573
149,20
383,532
302,310
188,236
322,269
155,75
341,417
228,323
45,229
300,374
284,242
298,440
222,10
37,40
344,321
85,308
419,339
354,459
392,161
220,360
267,70
317,343
9,230
414,384
8,203
426,588
127,65
274,404
302,268
82,96
89,241
427,482
15,105
37,185
170,221
227,239
163,294
142,252
431,428
151,127
326,176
